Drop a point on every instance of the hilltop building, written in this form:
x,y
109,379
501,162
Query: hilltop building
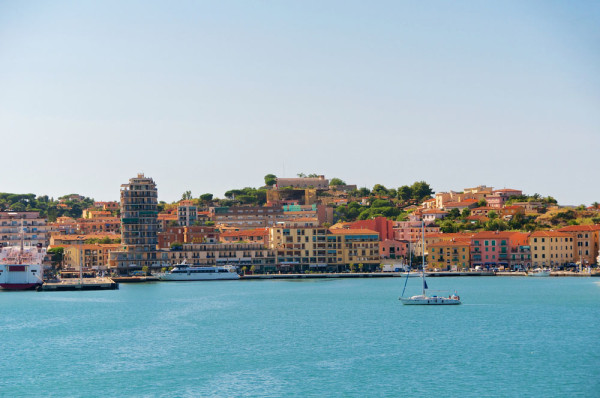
x,y
303,182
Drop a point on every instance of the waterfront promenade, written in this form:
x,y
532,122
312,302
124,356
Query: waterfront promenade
x,y
403,275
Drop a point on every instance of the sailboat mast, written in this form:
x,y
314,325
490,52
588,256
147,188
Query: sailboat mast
x,y
423,254
22,234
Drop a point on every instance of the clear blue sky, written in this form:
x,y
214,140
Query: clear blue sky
x,y
209,96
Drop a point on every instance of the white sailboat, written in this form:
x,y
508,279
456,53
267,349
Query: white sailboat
x,y
423,298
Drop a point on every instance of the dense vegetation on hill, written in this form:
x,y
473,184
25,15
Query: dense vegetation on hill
x,y
48,207
363,203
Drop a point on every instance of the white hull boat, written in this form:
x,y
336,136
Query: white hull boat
x,y
183,272
424,299
430,300
539,272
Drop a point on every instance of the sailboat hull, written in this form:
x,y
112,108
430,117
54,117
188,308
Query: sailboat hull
x,y
425,300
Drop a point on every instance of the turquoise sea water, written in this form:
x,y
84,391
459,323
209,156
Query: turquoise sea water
x,y
526,337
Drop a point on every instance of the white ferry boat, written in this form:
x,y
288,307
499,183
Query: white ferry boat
x,y
183,272
21,267
539,272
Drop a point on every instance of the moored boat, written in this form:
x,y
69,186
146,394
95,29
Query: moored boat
x,y
539,272
21,267
423,298
183,272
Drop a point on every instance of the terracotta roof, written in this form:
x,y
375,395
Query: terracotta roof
x,y
249,232
303,219
94,246
343,231
86,237
477,218
494,234
167,216
507,190
465,202
580,228
434,211
553,234
450,243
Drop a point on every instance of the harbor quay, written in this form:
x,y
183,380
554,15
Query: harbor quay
x,y
76,284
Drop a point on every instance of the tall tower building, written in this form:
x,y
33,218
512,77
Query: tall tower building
x,y
139,211
139,226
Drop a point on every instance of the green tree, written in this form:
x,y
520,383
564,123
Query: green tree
x,y
492,215
364,191
57,255
270,180
145,270
421,190
466,212
482,203
380,190
187,195
176,246
206,197
404,193
453,214
336,181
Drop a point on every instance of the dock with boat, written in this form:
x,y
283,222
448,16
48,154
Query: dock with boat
x,y
76,284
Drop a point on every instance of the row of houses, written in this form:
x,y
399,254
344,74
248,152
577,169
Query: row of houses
x,y
514,250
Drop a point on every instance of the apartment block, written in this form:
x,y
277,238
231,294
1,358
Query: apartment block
x,y
87,255
585,242
247,217
449,255
238,254
491,249
551,248
193,234
29,224
187,213
139,226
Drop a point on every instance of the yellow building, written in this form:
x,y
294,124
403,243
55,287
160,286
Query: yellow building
x,y
449,255
299,248
356,247
551,248
585,242
90,255
306,248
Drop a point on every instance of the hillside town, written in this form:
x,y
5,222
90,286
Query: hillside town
x,y
304,225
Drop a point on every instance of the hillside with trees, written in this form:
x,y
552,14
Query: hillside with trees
x,y
47,207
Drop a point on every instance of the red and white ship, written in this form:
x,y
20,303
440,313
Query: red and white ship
x,y
21,267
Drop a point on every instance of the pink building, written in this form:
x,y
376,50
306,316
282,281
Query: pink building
x,y
384,226
392,249
411,230
500,196
492,249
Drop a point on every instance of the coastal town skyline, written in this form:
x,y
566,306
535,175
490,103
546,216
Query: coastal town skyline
x,y
178,195
212,96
